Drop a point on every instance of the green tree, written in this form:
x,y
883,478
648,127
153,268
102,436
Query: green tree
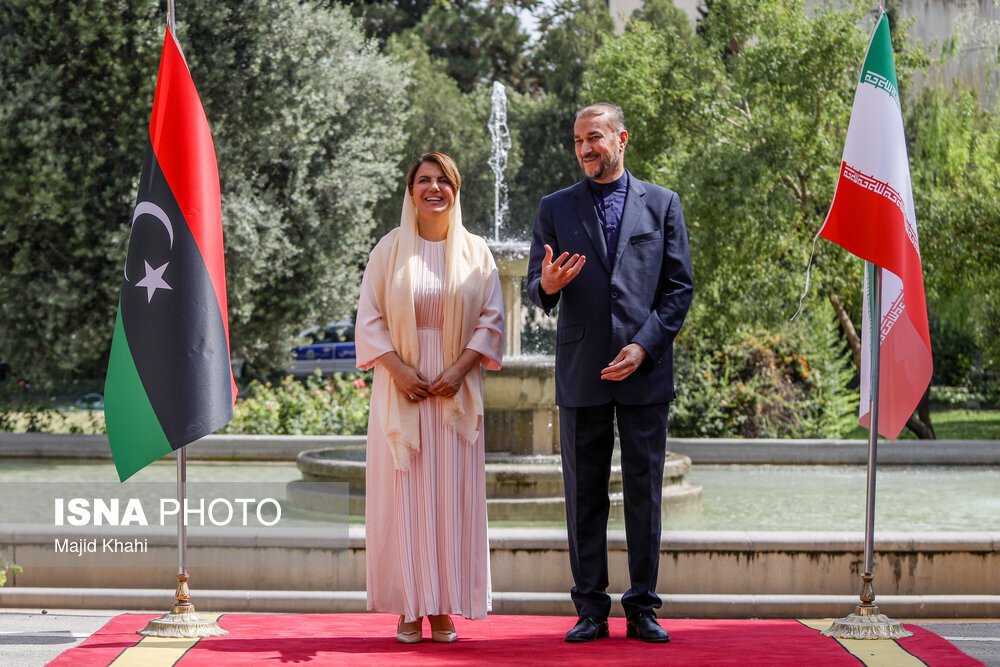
x,y
76,86
306,117
480,41
443,118
570,33
746,119
454,51
786,381
744,134
308,143
664,14
384,18
955,158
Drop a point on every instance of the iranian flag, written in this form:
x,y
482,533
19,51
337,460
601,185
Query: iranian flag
x,y
169,378
872,216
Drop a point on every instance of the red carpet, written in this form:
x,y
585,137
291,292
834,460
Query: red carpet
x,y
369,639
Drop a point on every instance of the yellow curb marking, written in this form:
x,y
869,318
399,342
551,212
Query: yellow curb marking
x,y
871,652
157,651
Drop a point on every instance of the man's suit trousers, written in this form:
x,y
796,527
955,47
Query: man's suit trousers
x,y
587,441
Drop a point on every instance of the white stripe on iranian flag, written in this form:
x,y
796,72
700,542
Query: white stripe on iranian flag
x,y
872,216
876,146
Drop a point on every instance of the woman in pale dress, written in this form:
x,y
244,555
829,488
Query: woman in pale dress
x,y
429,315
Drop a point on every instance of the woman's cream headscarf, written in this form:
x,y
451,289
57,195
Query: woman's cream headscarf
x,y
468,269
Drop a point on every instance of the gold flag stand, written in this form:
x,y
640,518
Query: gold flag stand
x,y
867,622
182,620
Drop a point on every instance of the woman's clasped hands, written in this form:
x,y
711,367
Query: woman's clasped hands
x,y
416,387
411,382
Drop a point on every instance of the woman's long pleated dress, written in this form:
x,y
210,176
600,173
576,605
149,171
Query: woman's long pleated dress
x,y
426,549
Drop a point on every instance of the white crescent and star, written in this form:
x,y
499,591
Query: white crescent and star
x,y
153,280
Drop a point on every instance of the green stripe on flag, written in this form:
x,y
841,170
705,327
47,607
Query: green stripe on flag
x,y
879,69
134,431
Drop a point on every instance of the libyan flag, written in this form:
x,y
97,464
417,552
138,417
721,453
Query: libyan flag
x,y
169,378
872,216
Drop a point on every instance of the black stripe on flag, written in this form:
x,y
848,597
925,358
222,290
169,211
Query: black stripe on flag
x,y
171,316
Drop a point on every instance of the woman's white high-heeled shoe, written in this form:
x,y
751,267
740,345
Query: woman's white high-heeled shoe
x,y
444,636
409,636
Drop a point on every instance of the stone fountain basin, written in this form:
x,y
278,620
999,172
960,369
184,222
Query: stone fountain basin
x,y
518,488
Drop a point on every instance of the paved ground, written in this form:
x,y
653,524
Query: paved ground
x,y
30,638
979,639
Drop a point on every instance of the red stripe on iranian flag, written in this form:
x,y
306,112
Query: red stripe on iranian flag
x,y
904,372
868,219
872,226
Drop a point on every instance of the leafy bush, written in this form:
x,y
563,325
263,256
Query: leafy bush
x,y
793,384
315,405
964,368
25,410
538,335
4,566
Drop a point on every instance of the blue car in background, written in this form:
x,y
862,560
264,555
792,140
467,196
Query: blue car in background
x,y
329,349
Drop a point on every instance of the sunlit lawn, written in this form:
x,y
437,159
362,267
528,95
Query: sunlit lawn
x,y
955,424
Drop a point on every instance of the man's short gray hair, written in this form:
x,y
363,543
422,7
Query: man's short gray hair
x,y
600,108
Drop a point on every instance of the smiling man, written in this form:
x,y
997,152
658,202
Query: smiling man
x,y
612,252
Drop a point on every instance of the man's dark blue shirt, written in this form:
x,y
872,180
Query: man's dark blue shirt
x,y
609,200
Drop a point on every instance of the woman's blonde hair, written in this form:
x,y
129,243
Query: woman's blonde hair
x,y
447,165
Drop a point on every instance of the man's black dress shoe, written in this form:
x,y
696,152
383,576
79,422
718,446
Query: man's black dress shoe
x,y
643,626
587,629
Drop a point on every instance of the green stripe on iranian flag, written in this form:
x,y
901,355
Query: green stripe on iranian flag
x,y
879,69
872,216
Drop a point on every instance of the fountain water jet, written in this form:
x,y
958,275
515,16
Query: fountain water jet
x,y
500,135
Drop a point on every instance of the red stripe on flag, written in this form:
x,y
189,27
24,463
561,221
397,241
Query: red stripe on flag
x,y
904,373
872,227
182,141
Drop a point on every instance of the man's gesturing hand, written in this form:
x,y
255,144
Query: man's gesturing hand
x,y
557,274
629,359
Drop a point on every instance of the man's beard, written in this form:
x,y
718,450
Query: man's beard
x,y
607,166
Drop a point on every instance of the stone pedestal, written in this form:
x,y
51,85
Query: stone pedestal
x,y
512,265
519,399
520,406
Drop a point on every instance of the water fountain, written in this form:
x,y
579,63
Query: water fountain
x,y
521,422
521,417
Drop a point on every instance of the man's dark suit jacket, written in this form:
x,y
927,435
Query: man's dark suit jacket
x,y
641,296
